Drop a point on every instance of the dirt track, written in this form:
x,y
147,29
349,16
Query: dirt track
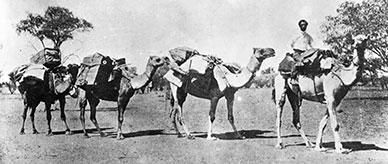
x,y
363,129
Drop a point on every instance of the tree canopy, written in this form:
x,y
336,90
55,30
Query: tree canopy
x,y
370,18
58,24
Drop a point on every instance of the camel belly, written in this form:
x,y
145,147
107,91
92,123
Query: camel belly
x,y
311,89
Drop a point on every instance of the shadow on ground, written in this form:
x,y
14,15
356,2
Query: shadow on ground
x,y
80,131
356,146
139,133
248,134
352,145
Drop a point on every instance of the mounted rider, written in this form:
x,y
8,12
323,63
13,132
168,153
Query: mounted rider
x,y
300,44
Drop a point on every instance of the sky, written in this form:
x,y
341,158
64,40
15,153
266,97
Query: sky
x,y
137,29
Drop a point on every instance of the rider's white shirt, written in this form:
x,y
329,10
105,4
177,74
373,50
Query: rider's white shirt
x,y
302,42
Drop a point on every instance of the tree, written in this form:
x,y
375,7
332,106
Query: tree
x,y
370,18
58,24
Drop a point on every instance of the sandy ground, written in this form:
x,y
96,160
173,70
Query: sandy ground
x,y
147,138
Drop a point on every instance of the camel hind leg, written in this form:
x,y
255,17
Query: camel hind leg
x,y
24,116
93,102
212,117
48,117
62,102
295,105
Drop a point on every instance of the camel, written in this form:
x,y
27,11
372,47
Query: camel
x,y
214,93
328,89
34,91
119,90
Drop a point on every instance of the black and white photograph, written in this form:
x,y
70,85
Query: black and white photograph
x,y
193,81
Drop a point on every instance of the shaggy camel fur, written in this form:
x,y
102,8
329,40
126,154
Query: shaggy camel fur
x,y
333,87
120,90
213,92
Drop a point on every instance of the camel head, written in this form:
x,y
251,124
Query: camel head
x,y
156,61
259,54
263,53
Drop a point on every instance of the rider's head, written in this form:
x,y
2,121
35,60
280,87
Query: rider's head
x,y
302,25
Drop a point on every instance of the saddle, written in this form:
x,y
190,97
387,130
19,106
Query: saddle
x,y
308,63
95,69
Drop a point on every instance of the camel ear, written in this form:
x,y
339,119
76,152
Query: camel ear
x,y
255,50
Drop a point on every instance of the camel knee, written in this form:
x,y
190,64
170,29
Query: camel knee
x,y
82,118
336,128
121,119
82,104
212,117
63,116
231,118
93,119
296,124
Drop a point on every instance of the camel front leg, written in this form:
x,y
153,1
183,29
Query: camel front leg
x,y
331,107
174,110
322,126
279,102
122,103
48,117
180,95
62,102
181,121
229,104
82,105
212,117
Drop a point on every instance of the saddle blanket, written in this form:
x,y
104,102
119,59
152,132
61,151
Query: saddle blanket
x,y
34,70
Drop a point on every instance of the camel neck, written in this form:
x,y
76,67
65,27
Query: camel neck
x,y
254,64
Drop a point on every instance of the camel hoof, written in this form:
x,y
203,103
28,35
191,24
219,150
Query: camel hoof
x,y
190,137
120,137
68,132
49,133
212,138
180,135
22,132
239,136
343,151
279,146
86,135
102,134
320,149
35,131
310,145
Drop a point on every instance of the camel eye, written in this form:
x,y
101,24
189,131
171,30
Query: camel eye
x,y
158,60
